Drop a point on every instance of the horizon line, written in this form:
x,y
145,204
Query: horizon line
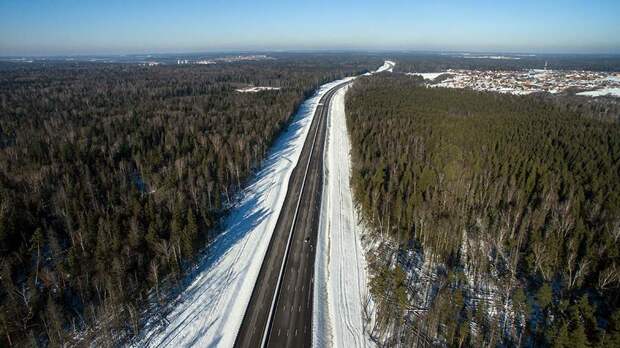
x,y
310,50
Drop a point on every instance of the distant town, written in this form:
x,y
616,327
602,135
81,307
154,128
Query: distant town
x,y
587,83
230,59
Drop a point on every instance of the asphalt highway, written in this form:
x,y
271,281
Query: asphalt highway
x,y
280,311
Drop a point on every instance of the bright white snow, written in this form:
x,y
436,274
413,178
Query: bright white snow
x,y
256,89
340,291
210,310
341,296
428,76
601,92
388,65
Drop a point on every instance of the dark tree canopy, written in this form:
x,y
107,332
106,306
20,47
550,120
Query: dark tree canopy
x,y
114,177
535,187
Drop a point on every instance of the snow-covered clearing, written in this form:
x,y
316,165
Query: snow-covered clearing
x,y
615,92
256,89
210,310
428,76
388,65
340,291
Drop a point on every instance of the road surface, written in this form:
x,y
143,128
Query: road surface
x,y
280,311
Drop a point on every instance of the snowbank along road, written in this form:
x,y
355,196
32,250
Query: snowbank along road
x,y
343,310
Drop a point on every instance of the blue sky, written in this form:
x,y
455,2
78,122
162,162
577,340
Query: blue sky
x,y
50,27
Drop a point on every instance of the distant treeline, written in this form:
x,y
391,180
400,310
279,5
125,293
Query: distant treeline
x,y
113,177
426,62
498,189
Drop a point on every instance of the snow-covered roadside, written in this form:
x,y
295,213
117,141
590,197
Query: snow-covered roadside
x,y
341,300
210,310
341,284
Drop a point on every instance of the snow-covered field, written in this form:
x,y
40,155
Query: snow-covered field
x,y
388,65
256,89
340,290
428,76
209,311
601,92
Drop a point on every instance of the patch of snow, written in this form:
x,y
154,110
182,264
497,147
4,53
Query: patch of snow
x,y
614,78
615,92
428,76
388,66
341,286
210,310
256,89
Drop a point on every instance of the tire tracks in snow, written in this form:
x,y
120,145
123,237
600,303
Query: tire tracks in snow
x,y
345,276
346,316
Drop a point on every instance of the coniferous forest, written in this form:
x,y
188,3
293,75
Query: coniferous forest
x,y
114,177
497,216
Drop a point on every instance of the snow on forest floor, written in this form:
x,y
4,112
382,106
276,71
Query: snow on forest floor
x,y
341,290
209,311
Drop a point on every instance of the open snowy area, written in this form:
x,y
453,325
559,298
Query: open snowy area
x,y
210,310
427,76
602,92
256,89
340,293
388,66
